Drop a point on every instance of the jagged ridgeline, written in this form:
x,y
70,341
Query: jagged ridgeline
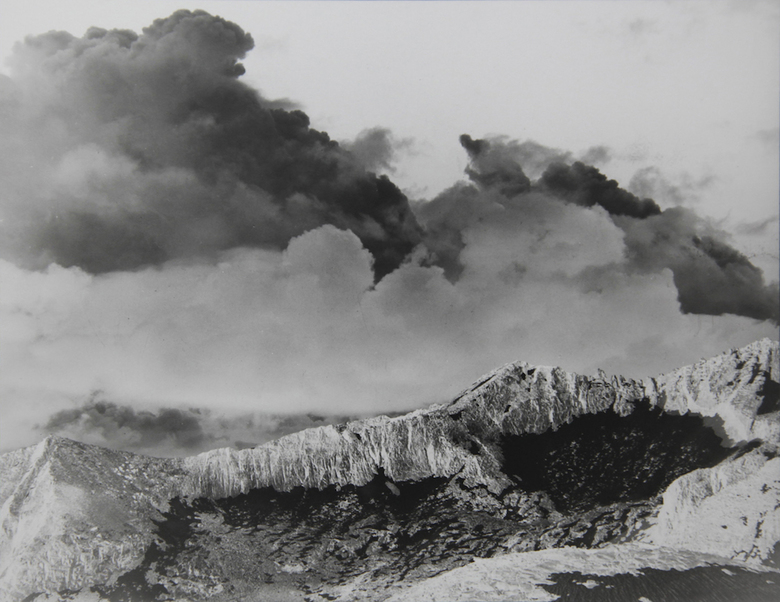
x,y
676,472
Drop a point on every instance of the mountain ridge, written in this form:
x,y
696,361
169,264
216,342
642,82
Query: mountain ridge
x,y
708,388
76,516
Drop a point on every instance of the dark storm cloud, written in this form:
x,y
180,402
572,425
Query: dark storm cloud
x,y
174,431
491,167
445,218
154,150
126,427
585,185
711,277
504,154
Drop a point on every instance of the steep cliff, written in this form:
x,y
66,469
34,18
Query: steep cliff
x,y
442,441
737,392
528,458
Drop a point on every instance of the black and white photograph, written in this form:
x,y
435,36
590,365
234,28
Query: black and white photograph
x,y
389,301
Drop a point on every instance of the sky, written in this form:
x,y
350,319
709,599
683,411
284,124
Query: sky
x,y
217,215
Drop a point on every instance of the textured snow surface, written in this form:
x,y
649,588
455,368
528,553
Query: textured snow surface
x,y
732,387
517,577
732,509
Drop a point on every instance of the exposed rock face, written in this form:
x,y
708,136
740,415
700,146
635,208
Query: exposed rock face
x,y
739,388
529,458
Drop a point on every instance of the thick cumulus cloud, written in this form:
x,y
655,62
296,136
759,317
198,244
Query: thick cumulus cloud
x,y
122,150
307,330
173,240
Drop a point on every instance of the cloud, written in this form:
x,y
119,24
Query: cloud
x,y
711,277
129,428
769,138
640,26
175,241
125,150
650,182
376,148
596,155
173,431
587,186
307,330
757,227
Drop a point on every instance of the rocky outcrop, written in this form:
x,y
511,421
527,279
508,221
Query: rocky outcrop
x,y
520,461
13,468
738,390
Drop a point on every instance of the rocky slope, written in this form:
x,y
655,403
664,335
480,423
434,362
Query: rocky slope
x,y
529,458
77,514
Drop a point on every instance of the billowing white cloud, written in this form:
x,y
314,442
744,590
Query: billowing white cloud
x,y
306,330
